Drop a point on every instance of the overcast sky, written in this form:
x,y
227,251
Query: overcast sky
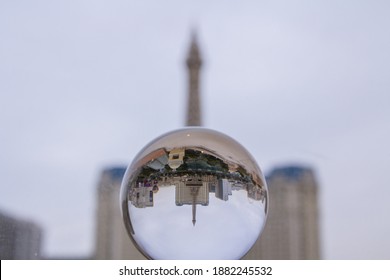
x,y
86,84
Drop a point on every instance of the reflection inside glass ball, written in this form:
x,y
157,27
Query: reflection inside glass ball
x,y
194,193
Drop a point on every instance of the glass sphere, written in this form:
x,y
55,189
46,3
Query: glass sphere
x,y
194,193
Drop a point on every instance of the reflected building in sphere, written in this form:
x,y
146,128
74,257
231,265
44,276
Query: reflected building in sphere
x,y
223,189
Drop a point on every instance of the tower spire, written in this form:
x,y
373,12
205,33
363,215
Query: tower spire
x,y
194,63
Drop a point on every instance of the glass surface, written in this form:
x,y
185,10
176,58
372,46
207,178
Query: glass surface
x,y
194,193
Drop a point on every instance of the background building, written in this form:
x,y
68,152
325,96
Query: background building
x,y
292,228
19,240
112,240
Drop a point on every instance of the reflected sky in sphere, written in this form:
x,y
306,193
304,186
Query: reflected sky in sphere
x,y
194,193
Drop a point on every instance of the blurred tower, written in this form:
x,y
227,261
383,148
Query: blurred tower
x,y
194,63
112,240
291,231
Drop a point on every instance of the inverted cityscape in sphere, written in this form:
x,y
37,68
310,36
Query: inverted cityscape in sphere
x,y
194,193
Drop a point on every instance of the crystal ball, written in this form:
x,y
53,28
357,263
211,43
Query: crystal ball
x,y
194,193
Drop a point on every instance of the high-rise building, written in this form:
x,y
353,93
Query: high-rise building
x,y
292,228
112,240
19,240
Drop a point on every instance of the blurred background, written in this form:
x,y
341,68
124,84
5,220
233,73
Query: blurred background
x,y
86,84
